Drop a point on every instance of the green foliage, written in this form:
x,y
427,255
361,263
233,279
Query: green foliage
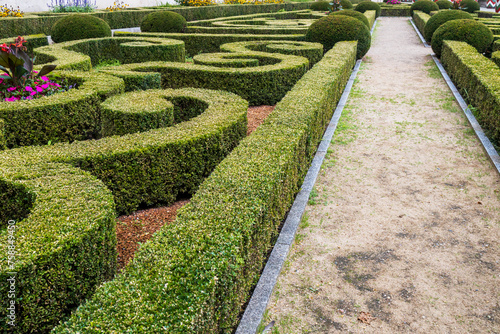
x,y
357,15
470,31
202,268
436,20
443,4
79,26
163,21
469,6
368,5
425,6
67,116
263,84
495,56
420,19
335,28
346,4
478,77
320,6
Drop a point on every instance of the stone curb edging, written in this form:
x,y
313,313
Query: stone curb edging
x,y
419,34
254,312
487,145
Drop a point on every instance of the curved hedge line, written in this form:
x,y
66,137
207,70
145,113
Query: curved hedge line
x,y
66,116
70,247
266,84
82,54
420,19
480,77
195,275
41,23
495,56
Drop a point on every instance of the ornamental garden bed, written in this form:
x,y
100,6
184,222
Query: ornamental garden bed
x,y
146,133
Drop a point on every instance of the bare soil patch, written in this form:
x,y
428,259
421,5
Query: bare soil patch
x,y
140,226
401,234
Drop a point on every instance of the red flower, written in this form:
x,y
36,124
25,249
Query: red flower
x,y
19,42
5,48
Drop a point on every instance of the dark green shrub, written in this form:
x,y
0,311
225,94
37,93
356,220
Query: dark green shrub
x,y
495,56
443,4
469,6
436,20
163,21
346,4
320,6
425,6
355,14
474,33
335,28
368,5
79,26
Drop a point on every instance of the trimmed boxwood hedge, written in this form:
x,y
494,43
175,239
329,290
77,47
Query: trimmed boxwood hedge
x,y
163,21
266,84
480,78
368,5
67,244
425,6
41,23
470,31
495,56
395,10
208,43
444,4
420,19
436,20
83,54
66,116
320,5
79,26
357,15
195,275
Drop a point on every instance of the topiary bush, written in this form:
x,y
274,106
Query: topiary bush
x,y
163,21
79,26
469,6
438,19
346,4
443,4
335,28
425,6
320,6
354,14
368,5
472,32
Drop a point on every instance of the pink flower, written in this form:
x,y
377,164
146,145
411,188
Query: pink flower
x,y
11,89
45,86
28,89
12,99
33,93
29,98
39,89
44,78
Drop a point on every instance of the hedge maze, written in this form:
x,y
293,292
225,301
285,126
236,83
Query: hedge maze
x,y
156,127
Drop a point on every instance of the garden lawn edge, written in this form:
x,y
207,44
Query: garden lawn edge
x,y
195,275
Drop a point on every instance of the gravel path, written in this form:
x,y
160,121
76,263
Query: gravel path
x,y
401,234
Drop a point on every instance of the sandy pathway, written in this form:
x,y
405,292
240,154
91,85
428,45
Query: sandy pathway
x,y
404,219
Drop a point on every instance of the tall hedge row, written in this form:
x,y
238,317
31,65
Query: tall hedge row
x,y
478,78
195,275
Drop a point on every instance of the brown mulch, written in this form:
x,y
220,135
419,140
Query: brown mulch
x,y
256,115
140,226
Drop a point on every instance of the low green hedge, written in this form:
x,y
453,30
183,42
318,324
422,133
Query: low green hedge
x,y
495,56
435,21
67,244
371,15
478,78
420,19
265,84
65,247
208,43
496,44
83,54
41,23
195,275
395,10
67,116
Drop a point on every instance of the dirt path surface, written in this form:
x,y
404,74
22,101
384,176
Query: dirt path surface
x,y
401,234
